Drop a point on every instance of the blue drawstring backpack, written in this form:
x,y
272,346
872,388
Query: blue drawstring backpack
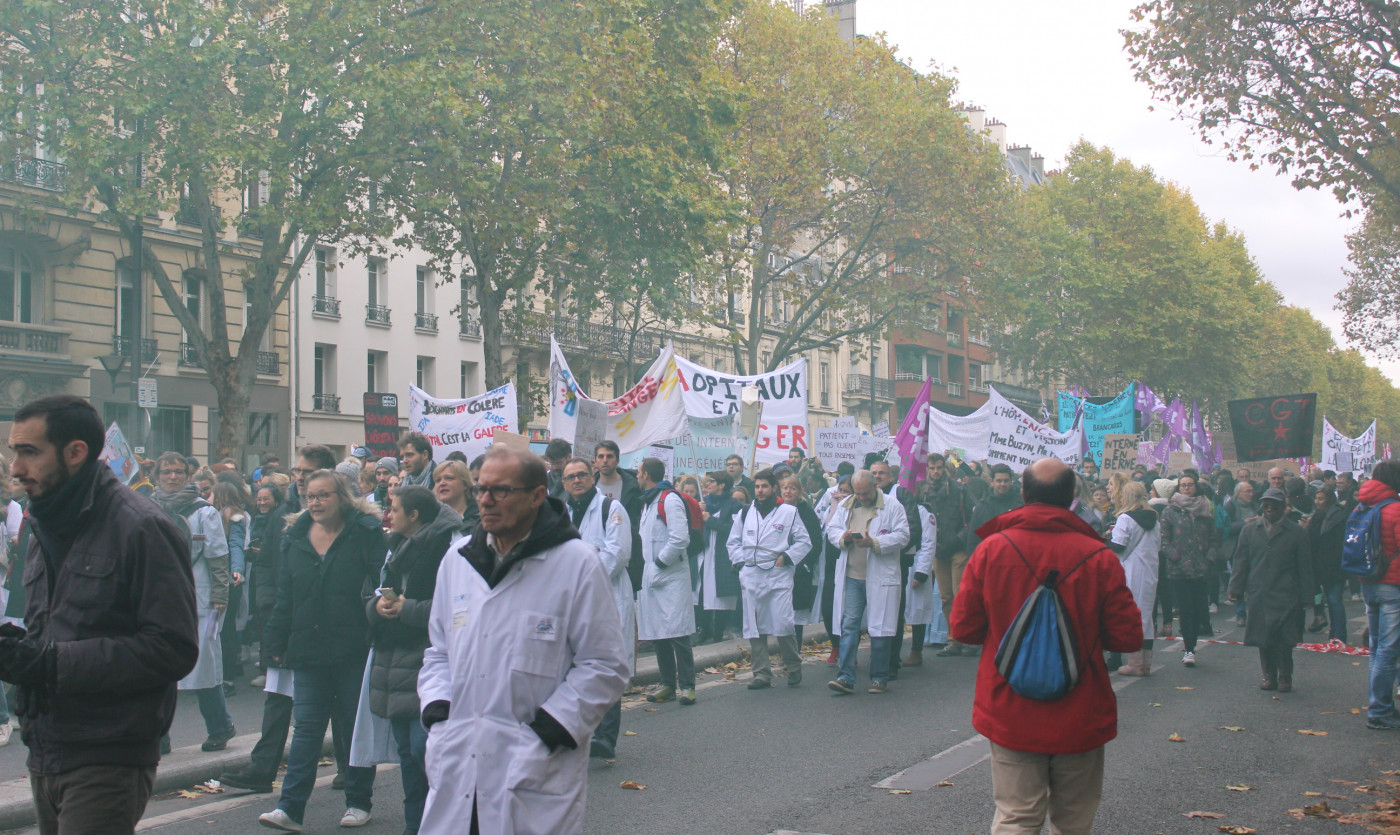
x,y
1039,654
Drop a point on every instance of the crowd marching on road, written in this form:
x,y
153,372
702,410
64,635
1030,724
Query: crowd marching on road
x,y
478,622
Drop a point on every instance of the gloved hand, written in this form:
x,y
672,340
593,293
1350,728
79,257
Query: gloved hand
x,y
436,712
28,662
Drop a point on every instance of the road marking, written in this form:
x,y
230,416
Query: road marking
x,y
948,764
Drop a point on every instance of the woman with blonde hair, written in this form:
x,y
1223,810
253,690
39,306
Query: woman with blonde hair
x,y
452,484
1137,540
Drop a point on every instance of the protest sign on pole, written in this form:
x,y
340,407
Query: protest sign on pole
x,y
1179,462
1120,453
591,428
835,444
1019,440
653,411
511,440
116,454
381,425
1273,427
1361,450
466,424
782,393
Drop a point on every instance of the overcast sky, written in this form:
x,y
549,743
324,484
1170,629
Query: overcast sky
x,y
1056,72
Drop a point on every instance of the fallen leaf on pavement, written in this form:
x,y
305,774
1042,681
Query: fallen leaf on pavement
x,y
1238,830
731,666
1309,732
652,709
1234,728
629,733
1355,711
632,784
900,791
1391,773
729,676
188,795
1202,814
1155,704
1312,794
1176,738
946,783
1186,688
1276,698
1317,810
1345,782
1240,788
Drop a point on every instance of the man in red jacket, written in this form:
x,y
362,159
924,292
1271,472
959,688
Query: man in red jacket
x,y
1383,599
1038,745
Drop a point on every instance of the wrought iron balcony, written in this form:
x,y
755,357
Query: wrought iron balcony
x,y
376,314
326,306
38,173
860,385
189,355
471,328
328,403
122,345
425,321
188,213
269,363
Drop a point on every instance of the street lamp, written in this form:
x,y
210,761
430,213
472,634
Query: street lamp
x,y
113,363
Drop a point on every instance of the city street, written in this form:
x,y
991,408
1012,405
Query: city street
x,y
804,760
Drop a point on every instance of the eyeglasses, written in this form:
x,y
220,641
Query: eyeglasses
x,y
498,492
296,471
577,476
318,497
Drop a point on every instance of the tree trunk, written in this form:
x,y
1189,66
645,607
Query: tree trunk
x,y
233,388
492,336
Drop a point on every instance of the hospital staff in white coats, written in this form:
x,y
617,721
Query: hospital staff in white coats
x,y
666,602
526,657
766,543
871,530
603,525
921,603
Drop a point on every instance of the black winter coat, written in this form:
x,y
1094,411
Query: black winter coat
x,y
399,642
319,619
265,557
1327,533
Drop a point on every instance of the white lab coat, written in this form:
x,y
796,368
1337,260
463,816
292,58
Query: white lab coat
x,y
755,542
665,605
710,601
209,542
920,604
546,636
1140,554
612,542
891,533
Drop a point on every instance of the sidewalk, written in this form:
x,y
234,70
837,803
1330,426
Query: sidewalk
x,y
188,766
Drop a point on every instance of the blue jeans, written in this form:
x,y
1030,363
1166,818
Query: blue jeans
x,y
851,616
1383,617
412,740
214,709
1336,612
319,692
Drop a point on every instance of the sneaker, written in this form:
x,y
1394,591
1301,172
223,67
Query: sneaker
x,y
950,650
258,681
877,687
794,678
246,782
4,735
279,820
760,683
228,689
354,817
687,697
1214,609
1239,620
219,741
971,651
661,694
1383,724
1188,659
915,659
842,686
1318,624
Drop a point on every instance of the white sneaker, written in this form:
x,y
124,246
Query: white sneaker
x,y
1214,609
279,820
4,734
258,681
1188,659
354,817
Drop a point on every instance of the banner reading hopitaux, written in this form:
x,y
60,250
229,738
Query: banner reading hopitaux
x,y
462,424
783,393
651,412
1362,448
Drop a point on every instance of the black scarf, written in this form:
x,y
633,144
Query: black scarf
x,y
765,506
579,506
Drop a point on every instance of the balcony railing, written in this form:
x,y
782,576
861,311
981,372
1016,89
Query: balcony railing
x,y
24,340
39,173
425,322
980,388
955,390
908,377
328,403
583,336
860,385
122,345
979,340
377,314
188,213
954,339
326,306
269,363
189,355
471,328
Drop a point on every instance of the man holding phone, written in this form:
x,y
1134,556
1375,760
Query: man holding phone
x,y
870,529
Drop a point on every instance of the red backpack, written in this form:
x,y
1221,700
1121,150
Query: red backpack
x,y
695,515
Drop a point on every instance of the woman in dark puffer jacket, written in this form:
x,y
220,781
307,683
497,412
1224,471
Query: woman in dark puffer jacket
x,y
421,530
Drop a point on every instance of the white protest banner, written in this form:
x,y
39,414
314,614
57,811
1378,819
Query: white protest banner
x,y
1019,440
881,429
963,435
116,454
783,393
466,425
651,412
704,448
1362,449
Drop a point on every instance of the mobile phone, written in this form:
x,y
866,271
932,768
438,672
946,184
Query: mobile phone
x,y
389,594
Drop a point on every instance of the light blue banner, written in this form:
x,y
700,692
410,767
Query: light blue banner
x,y
1116,417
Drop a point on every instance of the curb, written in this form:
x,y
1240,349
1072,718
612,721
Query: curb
x,y
189,766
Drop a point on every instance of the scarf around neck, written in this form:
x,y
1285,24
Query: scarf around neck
x,y
1198,506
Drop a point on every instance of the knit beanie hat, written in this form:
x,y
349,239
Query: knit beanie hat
x,y
350,470
390,464
1164,487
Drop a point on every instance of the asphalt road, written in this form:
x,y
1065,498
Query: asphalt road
x,y
805,760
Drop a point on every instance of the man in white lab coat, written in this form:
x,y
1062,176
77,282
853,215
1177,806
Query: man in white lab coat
x,y
871,530
767,542
603,525
526,657
666,603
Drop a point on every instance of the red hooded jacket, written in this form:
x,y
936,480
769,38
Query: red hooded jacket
x,y
1372,493
1097,601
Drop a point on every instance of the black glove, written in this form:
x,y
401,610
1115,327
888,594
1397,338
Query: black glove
x,y
551,733
436,712
28,662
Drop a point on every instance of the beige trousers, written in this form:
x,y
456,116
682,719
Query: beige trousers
x,y
949,573
1028,788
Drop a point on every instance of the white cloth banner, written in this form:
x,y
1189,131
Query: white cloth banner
x,y
1019,440
651,412
783,392
464,425
1362,449
963,435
